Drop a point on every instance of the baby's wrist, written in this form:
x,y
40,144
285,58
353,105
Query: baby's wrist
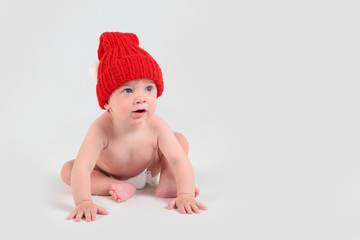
x,y
83,201
187,195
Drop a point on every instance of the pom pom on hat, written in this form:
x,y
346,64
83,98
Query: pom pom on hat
x,y
93,70
122,60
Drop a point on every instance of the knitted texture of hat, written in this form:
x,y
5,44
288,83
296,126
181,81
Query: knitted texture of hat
x,y
122,60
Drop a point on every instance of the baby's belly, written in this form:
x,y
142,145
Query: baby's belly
x,y
124,169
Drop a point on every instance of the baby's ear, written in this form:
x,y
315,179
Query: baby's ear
x,y
106,106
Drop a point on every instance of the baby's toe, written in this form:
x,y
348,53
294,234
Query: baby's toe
x,y
113,194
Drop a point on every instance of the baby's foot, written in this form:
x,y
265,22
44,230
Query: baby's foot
x,y
170,191
122,191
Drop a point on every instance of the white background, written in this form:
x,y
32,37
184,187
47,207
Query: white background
x,y
267,93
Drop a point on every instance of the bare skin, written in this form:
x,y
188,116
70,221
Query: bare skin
x,y
122,143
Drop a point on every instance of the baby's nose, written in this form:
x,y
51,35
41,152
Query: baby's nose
x,y
140,99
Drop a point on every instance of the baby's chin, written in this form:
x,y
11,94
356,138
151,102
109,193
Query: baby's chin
x,y
141,118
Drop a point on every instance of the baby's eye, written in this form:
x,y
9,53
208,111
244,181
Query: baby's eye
x,y
148,88
127,90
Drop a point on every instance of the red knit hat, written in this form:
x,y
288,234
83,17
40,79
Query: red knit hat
x,y
122,60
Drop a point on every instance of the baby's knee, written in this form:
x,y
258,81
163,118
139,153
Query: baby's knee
x,y
182,139
66,172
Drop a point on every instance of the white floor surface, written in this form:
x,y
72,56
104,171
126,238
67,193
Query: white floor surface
x,y
266,92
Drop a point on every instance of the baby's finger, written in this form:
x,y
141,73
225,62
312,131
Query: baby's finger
x,y
195,208
181,208
87,216
72,215
171,204
201,206
101,211
79,216
188,209
93,214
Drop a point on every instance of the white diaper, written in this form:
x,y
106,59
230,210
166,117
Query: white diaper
x,y
142,179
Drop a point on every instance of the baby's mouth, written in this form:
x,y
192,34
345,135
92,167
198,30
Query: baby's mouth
x,y
140,111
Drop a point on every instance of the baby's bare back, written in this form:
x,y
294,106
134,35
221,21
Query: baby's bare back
x,y
127,155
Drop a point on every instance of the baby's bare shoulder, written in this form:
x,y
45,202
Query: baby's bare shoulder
x,y
102,123
159,125
100,129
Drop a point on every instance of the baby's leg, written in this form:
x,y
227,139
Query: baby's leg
x,y
167,186
102,184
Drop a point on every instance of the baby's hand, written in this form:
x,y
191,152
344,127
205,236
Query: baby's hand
x,y
88,210
186,204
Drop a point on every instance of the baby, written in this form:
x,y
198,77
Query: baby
x,y
129,146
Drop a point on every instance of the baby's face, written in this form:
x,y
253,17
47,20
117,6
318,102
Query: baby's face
x,y
134,101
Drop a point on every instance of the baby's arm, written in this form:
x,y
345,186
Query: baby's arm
x,y
182,170
94,142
